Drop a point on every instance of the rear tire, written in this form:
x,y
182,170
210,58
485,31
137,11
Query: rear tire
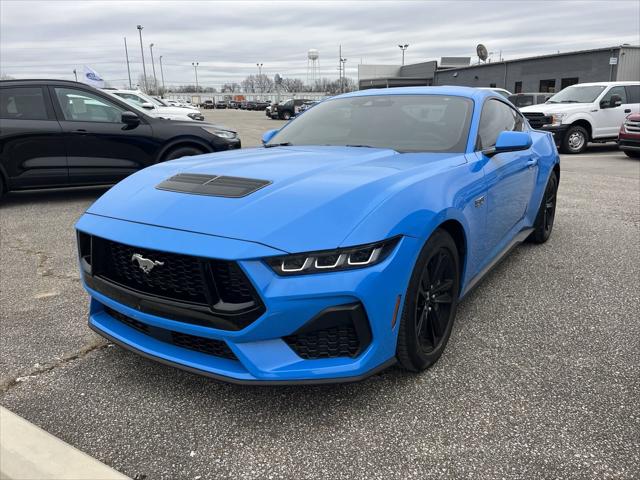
x,y
180,152
2,189
286,116
631,154
575,140
543,225
430,304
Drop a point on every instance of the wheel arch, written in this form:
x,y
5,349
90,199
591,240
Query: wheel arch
x,y
183,142
457,232
584,123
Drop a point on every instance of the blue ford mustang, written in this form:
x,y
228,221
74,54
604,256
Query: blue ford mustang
x,y
339,248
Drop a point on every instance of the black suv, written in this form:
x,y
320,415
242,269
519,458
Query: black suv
x,y
288,109
58,133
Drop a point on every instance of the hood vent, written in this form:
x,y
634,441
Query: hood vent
x,y
212,185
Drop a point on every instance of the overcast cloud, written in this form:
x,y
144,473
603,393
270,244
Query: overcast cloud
x,y
50,39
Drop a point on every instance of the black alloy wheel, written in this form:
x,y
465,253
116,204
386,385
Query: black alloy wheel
x,y
546,213
430,304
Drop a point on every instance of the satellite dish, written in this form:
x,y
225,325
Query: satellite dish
x,y
482,52
277,79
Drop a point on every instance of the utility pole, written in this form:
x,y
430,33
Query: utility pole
x,y
144,68
162,75
126,54
341,69
403,48
195,67
153,65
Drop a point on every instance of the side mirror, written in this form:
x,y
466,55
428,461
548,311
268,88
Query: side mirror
x,y
130,119
510,142
614,101
148,105
268,135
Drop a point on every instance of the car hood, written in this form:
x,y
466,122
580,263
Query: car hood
x,y
174,110
315,196
547,108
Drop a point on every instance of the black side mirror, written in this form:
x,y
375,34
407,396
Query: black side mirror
x,y
614,101
130,119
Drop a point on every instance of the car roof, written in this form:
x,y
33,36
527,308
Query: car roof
x,y
43,81
468,92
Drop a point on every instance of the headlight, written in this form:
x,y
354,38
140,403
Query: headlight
x,y
221,133
195,116
556,119
333,260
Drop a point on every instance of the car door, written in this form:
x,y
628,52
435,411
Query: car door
x,y
32,150
101,149
510,176
608,116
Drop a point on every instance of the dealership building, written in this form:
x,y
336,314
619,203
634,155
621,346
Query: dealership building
x,y
545,73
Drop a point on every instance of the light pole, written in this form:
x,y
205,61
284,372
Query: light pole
x,y
126,54
195,67
342,73
153,66
162,75
76,74
403,48
144,68
259,82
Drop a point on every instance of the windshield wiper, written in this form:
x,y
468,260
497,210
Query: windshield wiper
x,y
283,144
360,146
570,101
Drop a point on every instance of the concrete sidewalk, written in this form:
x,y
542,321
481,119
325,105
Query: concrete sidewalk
x,y
29,453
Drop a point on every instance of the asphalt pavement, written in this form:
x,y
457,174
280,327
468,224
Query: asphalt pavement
x,y
541,377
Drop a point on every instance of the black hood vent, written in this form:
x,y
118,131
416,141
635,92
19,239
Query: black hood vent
x,y
213,185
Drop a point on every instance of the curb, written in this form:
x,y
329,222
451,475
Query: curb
x,y
28,452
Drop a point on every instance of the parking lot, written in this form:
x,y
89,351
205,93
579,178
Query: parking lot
x,y
540,378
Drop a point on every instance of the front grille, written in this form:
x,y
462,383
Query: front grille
x,y
632,127
216,348
180,277
537,120
328,343
180,287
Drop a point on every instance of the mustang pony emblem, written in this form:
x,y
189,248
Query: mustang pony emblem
x,y
145,264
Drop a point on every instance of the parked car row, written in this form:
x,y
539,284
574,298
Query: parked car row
x,y
156,107
58,133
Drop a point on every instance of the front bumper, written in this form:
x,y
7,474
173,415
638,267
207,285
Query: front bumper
x,y
629,143
558,132
260,352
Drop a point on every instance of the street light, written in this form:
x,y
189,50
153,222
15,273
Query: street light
x,y
195,67
153,65
403,48
259,82
76,74
144,69
342,73
162,75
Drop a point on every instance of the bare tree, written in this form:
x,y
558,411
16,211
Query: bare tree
x,y
293,85
257,84
231,87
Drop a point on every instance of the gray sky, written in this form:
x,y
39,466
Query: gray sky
x,y
50,39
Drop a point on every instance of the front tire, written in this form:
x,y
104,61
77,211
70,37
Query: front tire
x,y
430,304
631,154
180,152
286,116
543,225
575,140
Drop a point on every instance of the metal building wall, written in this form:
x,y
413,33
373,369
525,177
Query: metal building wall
x,y
628,64
590,66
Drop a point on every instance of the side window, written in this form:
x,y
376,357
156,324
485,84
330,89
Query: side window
x,y
620,91
633,93
496,117
82,106
22,103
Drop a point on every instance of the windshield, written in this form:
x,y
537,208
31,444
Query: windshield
x,y
405,123
577,94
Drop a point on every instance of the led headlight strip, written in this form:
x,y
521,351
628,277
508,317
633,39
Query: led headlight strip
x,y
333,260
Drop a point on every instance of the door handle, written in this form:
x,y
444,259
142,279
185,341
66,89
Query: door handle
x,y
80,131
627,110
532,163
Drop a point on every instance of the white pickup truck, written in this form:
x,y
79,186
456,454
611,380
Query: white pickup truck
x,y
585,112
